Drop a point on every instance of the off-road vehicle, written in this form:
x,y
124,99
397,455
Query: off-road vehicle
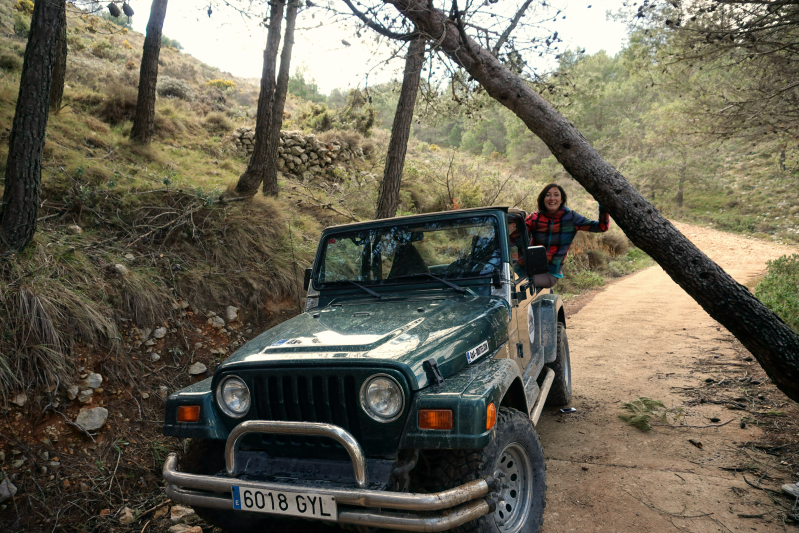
x,y
404,397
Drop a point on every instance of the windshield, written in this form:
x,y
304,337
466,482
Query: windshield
x,y
448,249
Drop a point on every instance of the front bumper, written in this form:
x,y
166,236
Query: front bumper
x,y
360,506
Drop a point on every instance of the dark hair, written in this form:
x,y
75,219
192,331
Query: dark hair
x,y
541,207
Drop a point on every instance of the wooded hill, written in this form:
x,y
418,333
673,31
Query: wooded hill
x,y
158,224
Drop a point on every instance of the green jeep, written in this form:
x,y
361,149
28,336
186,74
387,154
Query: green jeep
x,y
405,397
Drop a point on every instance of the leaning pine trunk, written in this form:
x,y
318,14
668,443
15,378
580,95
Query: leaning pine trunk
x,y
763,333
256,169
23,177
388,198
144,120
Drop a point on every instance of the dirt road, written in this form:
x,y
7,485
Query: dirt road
x,y
645,337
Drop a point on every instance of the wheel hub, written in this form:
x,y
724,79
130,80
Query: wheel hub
x,y
515,470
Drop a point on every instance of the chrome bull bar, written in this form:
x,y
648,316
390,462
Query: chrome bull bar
x,y
456,506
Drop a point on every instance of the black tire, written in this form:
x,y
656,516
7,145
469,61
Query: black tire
x,y
207,457
560,393
514,451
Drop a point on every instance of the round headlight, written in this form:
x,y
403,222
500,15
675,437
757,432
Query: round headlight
x,y
233,397
382,398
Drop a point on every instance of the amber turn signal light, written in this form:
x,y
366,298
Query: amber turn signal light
x,y
188,413
491,416
435,419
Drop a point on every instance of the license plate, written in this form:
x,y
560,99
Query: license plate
x,y
286,503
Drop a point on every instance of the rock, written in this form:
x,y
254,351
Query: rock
x,y
83,487
144,333
144,395
18,462
198,345
85,396
7,490
75,229
160,513
91,419
160,333
231,313
184,304
163,391
93,381
150,342
183,528
127,516
72,392
197,368
121,269
130,257
791,489
178,513
216,322
155,357
20,399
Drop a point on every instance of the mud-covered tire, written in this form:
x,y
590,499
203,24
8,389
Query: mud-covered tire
x,y
207,457
560,393
515,451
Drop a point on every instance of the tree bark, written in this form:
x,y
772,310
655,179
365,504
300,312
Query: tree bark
x,y
763,333
144,120
23,174
256,169
60,67
281,90
388,198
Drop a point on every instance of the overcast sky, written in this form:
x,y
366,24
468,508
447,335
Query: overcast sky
x,y
227,43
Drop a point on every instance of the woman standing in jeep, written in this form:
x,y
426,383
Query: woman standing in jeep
x,y
554,226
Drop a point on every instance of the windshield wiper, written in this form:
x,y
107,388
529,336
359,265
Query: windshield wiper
x,y
442,280
370,291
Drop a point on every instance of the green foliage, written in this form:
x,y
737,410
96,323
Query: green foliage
x,y
172,43
643,409
308,90
779,289
22,24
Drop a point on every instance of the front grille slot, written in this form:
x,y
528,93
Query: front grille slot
x,y
331,399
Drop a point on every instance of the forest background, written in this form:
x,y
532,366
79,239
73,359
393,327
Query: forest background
x,y
136,237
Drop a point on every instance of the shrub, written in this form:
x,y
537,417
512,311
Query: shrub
x,y
217,122
103,50
597,259
10,61
174,88
617,244
221,83
779,290
22,25
119,106
24,6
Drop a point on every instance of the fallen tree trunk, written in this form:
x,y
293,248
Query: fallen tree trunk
x,y
773,343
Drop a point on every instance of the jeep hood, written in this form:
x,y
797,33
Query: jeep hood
x,y
400,333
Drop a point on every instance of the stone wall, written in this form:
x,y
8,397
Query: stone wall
x,y
299,154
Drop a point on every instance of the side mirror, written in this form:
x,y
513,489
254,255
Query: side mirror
x,y
307,281
536,261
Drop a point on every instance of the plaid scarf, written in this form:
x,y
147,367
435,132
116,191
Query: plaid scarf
x,y
556,232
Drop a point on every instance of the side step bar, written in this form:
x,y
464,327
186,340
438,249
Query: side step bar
x,y
542,396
